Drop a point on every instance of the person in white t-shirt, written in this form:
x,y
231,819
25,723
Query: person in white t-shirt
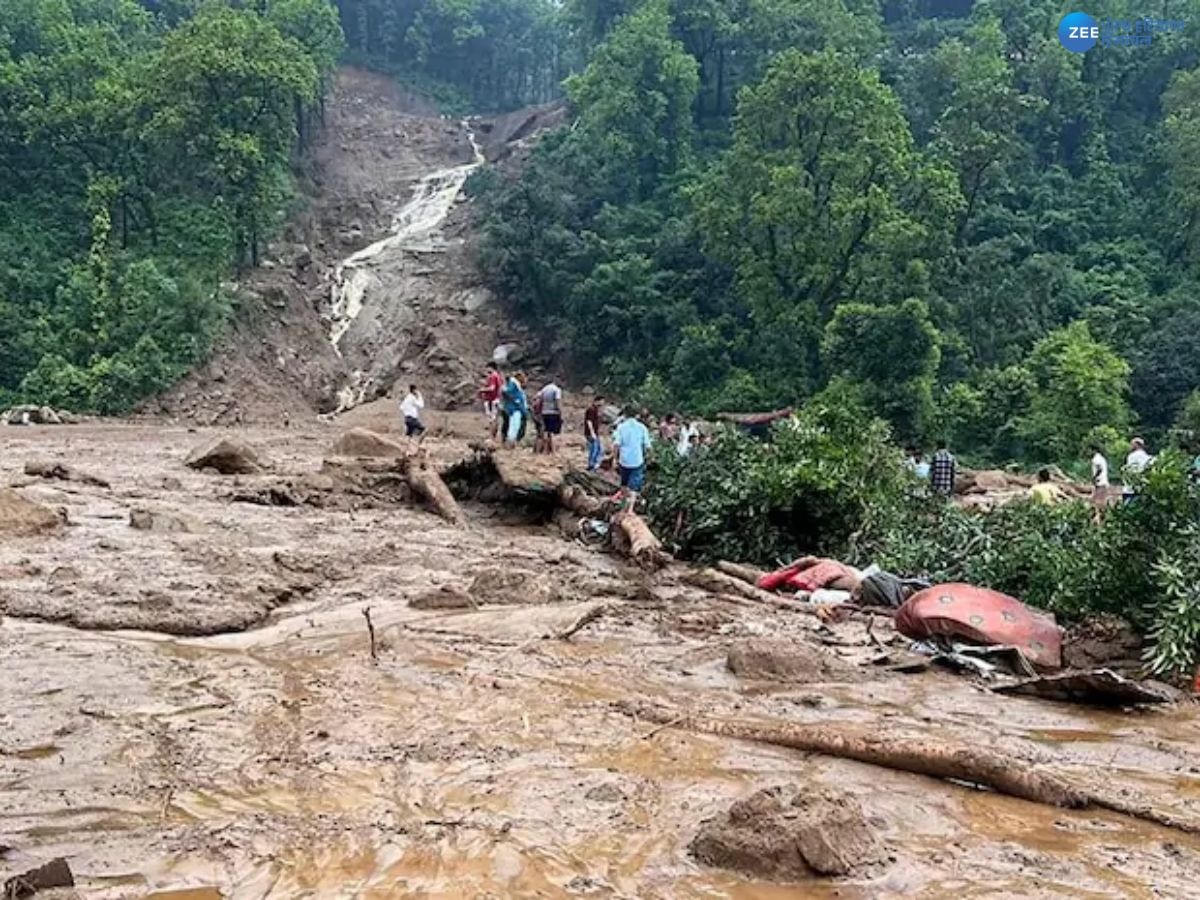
x,y
410,408
1136,462
1099,479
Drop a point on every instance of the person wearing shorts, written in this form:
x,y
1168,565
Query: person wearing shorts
x,y
631,441
551,403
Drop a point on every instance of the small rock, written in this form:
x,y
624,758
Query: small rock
x,y
609,792
771,659
145,520
359,442
445,597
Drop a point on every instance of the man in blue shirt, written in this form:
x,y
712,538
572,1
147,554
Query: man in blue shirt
x,y
631,441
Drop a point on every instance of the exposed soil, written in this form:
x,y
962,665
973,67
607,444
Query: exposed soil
x,y
427,318
480,755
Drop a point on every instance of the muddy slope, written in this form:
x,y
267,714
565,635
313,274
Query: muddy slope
x,y
427,317
480,755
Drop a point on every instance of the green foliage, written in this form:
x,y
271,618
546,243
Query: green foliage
x,y
836,158
892,352
1175,637
155,152
1080,385
470,55
828,481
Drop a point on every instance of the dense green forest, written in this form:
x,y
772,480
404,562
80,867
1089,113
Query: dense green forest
x,y
472,55
146,150
929,205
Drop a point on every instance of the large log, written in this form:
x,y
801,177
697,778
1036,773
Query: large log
x,y
748,574
947,760
579,501
633,537
921,756
427,484
719,583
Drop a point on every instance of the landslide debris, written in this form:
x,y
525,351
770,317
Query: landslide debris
x,y
785,833
229,456
20,517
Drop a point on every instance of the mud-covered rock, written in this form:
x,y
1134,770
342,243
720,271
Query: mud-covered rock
x,y
770,659
20,517
787,834
514,587
228,456
359,442
148,520
446,597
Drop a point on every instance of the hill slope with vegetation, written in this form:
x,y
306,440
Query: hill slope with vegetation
x,y
934,205
149,152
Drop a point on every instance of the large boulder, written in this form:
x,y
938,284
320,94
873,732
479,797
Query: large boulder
x,y
786,834
24,518
359,442
768,659
228,456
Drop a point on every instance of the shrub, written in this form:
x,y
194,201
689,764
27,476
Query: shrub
x,y
828,481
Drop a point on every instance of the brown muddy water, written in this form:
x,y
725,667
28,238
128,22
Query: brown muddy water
x,y
477,757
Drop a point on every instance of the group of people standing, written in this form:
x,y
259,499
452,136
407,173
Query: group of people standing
x,y
509,409
940,472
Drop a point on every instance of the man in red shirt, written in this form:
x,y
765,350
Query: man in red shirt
x,y
490,395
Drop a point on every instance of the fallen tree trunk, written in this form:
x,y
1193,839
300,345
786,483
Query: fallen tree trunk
x,y
748,574
633,537
938,759
719,583
427,484
577,500
57,471
950,761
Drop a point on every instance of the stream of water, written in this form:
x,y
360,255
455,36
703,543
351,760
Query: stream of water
x,y
415,228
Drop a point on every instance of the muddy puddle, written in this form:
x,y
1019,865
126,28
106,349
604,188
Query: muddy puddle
x,y
478,757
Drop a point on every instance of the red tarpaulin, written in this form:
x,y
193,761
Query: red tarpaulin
x,y
984,617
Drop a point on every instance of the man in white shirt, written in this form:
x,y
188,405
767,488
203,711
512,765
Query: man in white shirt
x,y
1136,462
410,408
1099,479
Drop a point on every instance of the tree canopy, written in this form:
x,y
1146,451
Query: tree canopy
x,y
989,237
151,148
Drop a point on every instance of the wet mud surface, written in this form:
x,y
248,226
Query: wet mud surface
x,y
259,751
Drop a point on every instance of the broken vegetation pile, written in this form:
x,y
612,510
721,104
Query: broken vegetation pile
x,y
831,482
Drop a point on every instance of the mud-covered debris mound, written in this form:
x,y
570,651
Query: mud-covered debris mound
x,y
793,661
20,517
215,607
143,519
512,587
360,442
786,834
229,456
1102,641
447,596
